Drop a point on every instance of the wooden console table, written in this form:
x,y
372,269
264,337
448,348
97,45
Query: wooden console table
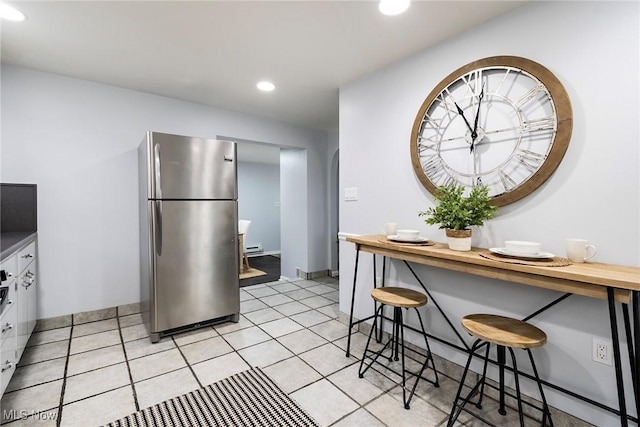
x,y
614,283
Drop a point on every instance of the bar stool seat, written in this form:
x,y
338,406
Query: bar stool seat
x,y
505,333
398,298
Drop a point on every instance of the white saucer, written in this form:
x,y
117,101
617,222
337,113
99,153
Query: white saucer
x,y
504,251
418,239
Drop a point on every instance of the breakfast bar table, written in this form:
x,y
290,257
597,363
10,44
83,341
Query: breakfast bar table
x,y
616,284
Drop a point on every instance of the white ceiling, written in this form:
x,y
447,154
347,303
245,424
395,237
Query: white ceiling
x,y
214,52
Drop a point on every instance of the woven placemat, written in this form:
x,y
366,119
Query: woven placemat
x,y
393,242
546,262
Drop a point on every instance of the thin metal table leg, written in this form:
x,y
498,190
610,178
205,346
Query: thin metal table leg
x,y
631,349
616,356
353,298
384,268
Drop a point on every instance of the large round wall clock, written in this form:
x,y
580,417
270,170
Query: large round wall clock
x,y
503,122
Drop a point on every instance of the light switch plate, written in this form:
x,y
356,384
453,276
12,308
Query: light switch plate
x,y
351,194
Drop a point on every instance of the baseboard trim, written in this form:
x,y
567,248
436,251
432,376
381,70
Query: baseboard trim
x,y
312,275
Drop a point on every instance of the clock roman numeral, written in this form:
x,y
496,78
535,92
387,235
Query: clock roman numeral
x,y
449,180
532,93
426,146
435,170
507,182
530,159
473,81
430,122
446,101
431,164
504,78
546,123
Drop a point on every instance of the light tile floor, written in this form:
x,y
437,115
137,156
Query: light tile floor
x,y
101,366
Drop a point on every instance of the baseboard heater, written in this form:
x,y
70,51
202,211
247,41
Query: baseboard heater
x,y
254,249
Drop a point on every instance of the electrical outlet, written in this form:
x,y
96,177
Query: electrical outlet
x,y
602,351
351,194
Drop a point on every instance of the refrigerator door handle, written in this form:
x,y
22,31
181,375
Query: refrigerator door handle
x,y
157,181
158,227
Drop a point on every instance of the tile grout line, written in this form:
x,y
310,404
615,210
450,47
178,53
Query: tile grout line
x,y
297,355
64,376
126,360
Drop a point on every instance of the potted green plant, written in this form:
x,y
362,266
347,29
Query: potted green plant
x,y
456,213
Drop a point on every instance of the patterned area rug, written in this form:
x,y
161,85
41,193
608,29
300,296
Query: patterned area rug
x,y
249,398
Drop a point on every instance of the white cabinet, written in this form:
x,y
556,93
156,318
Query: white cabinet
x,y
18,316
26,294
8,321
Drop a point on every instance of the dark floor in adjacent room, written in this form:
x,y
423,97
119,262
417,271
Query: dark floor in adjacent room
x,y
269,264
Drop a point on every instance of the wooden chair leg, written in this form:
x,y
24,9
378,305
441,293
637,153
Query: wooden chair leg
x,y
246,260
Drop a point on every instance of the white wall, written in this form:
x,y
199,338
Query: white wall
x,y
259,202
293,199
593,48
77,140
333,169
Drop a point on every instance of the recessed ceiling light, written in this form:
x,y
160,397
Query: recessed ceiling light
x,y
266,86
10,13
393,7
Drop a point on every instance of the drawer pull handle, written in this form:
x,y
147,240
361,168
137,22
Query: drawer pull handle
x,y
7,327
27,256
7,365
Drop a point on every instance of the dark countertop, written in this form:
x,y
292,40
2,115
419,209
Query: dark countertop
x,y
10,242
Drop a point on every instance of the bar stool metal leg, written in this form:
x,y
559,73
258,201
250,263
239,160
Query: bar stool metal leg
x,y
505,333
398,298
366,349
429,354
517,381
501,361
484,375
457,408
546,413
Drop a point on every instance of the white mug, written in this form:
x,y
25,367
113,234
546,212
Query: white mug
x,y
390,229
578,250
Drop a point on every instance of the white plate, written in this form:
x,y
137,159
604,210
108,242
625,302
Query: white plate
x,y
504,251
418,239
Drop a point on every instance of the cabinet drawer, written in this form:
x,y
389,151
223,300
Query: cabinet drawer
x,y
9,326
11,301
26,256
9,354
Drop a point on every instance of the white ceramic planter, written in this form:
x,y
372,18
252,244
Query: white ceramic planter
x,y
459,240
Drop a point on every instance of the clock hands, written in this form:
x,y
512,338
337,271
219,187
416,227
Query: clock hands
x,y
462,114
474,132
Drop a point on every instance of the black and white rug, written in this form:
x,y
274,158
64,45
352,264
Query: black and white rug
x,y
249,398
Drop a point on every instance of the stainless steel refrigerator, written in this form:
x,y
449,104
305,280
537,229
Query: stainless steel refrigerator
x,y
188,232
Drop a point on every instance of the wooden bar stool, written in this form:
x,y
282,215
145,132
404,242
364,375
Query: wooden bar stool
x,y
398,298
505,333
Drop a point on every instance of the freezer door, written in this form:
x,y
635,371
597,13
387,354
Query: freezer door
x,y
182,167
195,262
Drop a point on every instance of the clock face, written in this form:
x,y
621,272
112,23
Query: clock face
x,y
502,122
